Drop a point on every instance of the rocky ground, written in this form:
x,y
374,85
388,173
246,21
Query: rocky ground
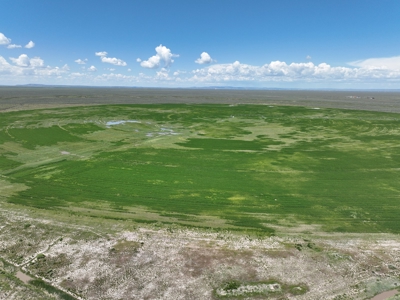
x,y
109,260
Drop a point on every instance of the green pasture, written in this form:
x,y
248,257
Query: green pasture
x,y
233,166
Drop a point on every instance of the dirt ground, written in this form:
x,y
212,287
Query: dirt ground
x,y
170,262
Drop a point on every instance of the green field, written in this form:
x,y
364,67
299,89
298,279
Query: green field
x,y
244,167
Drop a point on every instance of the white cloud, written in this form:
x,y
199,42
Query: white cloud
x,y
80,61
30,45
5,67
101,53
13,46
4,40
92,69
25,67
129,70
384,63
152,63
24,61
162,74
179,72
162,54
36,62
115,77
110,60
114,61
281,71
77,74
308,57
374,72
205,58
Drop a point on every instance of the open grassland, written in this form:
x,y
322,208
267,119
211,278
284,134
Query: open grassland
x,y
197,201
250,167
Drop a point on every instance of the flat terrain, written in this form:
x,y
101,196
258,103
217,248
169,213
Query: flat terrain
x,y
192,194
16,98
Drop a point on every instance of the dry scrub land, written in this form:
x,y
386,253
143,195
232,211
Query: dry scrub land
x,y
198,201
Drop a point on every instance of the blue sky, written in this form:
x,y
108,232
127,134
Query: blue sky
x,y
253,43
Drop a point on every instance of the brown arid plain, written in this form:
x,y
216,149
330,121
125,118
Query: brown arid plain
x,y
61,254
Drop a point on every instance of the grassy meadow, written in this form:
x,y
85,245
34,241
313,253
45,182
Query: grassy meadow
x,y
242,167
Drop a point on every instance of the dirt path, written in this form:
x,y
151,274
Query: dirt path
x,y
23,277
385,295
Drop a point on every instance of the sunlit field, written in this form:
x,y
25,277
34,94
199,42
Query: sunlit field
x,y
244,167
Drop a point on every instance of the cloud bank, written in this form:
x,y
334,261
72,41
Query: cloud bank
x,y
371,72
281,71
384,63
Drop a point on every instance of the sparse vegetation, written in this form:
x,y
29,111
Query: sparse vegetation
x,y
51,290
178,201
271,288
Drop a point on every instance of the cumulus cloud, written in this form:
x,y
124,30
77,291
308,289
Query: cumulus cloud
x,y
308,57
80,61
114,61
110,60
24,67
163,54
13,46
385,63
379,71
36,62
4,40
101,53
30,45
22,60
205,58
152,63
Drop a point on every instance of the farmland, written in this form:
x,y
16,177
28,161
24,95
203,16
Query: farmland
x,y
244,180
